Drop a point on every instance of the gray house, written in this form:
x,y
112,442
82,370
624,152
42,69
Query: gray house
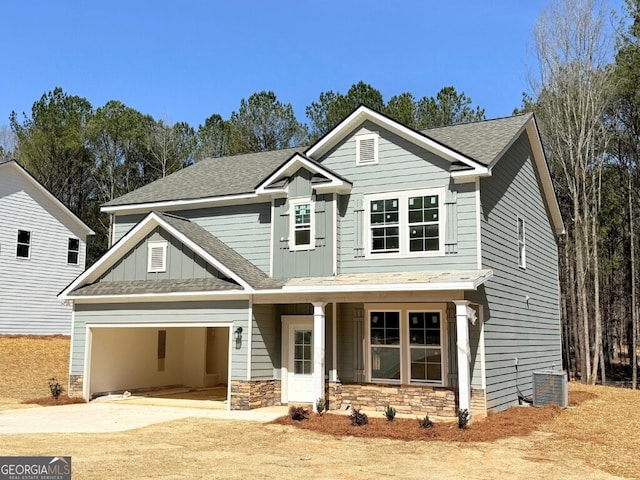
x,y
381,265
42,249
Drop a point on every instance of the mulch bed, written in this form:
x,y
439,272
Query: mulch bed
x,y
516,421
50,401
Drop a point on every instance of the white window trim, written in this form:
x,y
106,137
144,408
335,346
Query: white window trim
x,y
75,251
30,244
403,223
292,224
522,261
405,357
150,247
367,136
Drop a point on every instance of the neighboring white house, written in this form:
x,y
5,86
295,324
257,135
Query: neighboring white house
x,y
42,249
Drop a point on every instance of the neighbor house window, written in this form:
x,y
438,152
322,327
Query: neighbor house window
x,y
522,244
367,149
73,251
407,223
24,244
301,232
157,257
405,346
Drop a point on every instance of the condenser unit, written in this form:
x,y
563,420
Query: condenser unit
x,y
550,388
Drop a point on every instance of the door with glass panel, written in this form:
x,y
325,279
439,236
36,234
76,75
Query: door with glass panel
x,y
300,362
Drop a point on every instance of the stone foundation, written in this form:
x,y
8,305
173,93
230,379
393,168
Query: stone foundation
x,y
254,394
333,395
478,403
75,385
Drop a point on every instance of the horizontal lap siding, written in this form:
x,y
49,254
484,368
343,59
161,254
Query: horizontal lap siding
x,y
123,223
514,327
29,287
245,228
402,166
265,342
205,313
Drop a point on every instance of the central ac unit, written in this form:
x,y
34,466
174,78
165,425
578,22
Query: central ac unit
x,y
550,388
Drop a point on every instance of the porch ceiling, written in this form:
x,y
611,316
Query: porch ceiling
x,y
400,281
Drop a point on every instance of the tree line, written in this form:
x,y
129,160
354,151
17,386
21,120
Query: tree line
x,y
586,98
88,156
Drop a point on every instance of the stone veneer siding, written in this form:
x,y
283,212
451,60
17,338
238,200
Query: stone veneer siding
x,y
75,385
438,401
254,394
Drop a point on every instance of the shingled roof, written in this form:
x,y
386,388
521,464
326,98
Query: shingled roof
x,y
211,177
219,250
482,141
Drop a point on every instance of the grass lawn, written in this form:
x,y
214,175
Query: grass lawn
x,y
597,439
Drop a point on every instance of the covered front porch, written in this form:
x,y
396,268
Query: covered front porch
x,y
420,351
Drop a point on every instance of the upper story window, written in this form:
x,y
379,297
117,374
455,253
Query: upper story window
x,y
522,244
73,251
406,223
302,224
367,149
157,257
24,244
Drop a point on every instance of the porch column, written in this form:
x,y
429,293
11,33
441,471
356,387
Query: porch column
x,y
464,355
318,351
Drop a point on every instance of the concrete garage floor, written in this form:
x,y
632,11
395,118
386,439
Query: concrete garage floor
x,y
209,398
117,416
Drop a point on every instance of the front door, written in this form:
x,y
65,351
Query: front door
x,y
299,369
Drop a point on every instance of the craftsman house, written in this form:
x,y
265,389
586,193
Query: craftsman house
x,y
380,265
42,249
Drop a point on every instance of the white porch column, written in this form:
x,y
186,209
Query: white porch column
x,y
318,351
464,355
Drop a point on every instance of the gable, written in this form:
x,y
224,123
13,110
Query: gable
x,y
19,187
180,261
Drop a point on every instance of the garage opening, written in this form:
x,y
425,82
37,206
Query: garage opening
x,y
181,362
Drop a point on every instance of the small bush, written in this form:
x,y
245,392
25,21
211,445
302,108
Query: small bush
x,y
321,405
463,418
389,413
298,413
425,422
358,418
55,388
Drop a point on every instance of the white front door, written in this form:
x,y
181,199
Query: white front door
x,y
299,360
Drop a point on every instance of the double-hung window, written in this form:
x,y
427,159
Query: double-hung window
x,y
24,244
405,223
73,251
405,345
302,225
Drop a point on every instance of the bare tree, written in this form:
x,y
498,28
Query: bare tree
x,y
573,90
8,142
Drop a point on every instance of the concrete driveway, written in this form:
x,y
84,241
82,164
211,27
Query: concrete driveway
x,y
97,417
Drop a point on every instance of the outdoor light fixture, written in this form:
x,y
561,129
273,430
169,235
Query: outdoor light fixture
x,y
238,334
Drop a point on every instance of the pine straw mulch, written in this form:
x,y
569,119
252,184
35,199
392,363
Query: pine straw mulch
x,y
29,361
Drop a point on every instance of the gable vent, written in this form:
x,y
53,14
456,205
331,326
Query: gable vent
x,y
367,149
157,260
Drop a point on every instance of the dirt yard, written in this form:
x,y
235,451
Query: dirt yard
x,y
598,439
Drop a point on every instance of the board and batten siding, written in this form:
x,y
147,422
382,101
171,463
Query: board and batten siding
x,y
204,313
181,262
265,343
29,287
401,166
316,262
521,306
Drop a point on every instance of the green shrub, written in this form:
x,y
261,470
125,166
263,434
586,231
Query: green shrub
x,y
55,388
463,418
389,413
321,405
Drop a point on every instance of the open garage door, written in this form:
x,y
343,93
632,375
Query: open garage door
x,y
152,358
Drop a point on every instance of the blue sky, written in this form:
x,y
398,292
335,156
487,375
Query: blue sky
x,y
186,60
